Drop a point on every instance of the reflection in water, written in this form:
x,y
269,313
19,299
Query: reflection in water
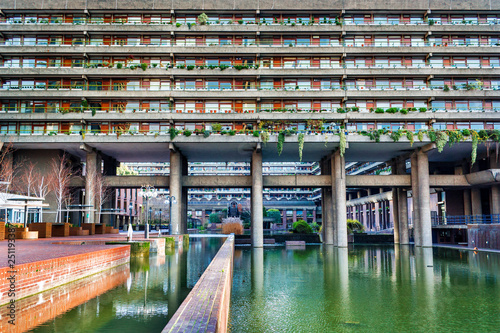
x,y
34,310
143,300
365,289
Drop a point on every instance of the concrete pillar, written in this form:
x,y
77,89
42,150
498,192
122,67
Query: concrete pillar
x,y
395,215
328,209
424,199
294,216
93,164
467,202
178,215
414,189
283,218
476,206
402,206
339,194
495,189
257,203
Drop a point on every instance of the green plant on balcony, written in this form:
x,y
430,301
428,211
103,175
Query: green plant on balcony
x,y
446,88
173,133
232,132
223,67
240,21
177,24
409,136
422,109
264,136
379,110
187,133
119,65
466,132
392,110
190,67
341,110
206,133
403,111
337,21
420,136
281,141
216,127
181,66
300,140
342,142
189,24
396,135
144,66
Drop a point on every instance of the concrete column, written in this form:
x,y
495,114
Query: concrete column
x,y
92,165
327,207
339,193
294,216
395,215
257,203
476,206
328,212
402,207
424,199
414,190
178,214
495,189
467,202
283,218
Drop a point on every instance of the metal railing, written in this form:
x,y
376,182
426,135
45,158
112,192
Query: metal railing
x,y
465,219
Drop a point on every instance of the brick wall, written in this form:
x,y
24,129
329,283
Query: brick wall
x,y
35,277
37,309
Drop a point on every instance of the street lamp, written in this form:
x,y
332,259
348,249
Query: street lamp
x,y
170,199
130,209
147,192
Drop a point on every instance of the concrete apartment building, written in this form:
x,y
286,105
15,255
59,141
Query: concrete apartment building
x,y
332,82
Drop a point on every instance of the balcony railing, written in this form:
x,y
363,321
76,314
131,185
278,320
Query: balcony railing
x,y
465,219
123,43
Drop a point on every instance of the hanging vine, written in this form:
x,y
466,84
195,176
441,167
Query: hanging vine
x,y
441,140
343,143
473,154
281,140
409,136
301,145
420,136
264,136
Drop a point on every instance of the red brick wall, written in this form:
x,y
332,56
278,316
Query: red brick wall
x,y
37,309
35,277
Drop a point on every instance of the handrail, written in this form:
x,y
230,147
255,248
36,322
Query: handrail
x,y
194,43
465,219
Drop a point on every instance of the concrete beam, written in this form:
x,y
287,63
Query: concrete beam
x,y
483,177
363,181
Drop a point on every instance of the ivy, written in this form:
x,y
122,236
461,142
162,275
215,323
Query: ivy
x,y
441,140
409,136
420,136
281,140
454,137
396,135
264,136
432,136
301,145
343,143
475,141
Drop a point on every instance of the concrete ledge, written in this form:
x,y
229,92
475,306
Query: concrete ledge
x,y
295,243
206,308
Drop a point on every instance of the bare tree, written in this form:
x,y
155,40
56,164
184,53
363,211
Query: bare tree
x,y
26,180
59,179
101,193
8,170
41,188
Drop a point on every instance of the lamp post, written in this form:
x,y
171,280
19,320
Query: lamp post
x,y
170,199
130,209
147,192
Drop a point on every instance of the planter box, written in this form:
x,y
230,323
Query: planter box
x,y
111,230
78,231
90,227
24,233
100,229
60,230
2,231
44,229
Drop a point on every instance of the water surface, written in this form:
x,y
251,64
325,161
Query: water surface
x,y
365,289
147,297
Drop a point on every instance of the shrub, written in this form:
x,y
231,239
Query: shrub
x,y
177,25
256,134
216,127
315,227
214,218
202,18
301,227
379,110
403,111
119,65
232,132
466,132
275,214
144,66
422,109
354,226
232,228
187,133
206,133
190,67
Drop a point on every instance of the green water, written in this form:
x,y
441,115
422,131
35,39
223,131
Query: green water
x,y
365,289
147,300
